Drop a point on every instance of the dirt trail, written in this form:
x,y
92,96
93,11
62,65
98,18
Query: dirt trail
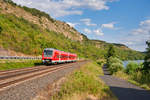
x,y
123,89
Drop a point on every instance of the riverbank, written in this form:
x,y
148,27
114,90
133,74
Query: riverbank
x,y
132,72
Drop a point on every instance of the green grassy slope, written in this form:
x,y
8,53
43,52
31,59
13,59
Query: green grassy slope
x,y
22,36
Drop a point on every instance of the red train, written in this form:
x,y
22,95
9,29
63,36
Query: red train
x,y
51,55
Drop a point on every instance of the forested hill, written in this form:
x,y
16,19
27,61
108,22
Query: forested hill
x,y
29,31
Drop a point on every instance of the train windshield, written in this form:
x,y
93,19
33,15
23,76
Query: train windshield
x,y
48,53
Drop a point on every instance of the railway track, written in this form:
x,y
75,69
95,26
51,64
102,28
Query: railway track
x,y
11,77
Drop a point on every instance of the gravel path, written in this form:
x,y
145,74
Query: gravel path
x,y
123,89
30,88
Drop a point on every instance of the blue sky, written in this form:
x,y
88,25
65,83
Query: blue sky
x,y
114,21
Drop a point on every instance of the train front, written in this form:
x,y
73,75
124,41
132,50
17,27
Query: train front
x,y
47,56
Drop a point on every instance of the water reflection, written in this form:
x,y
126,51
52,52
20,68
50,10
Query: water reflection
x,y
126,62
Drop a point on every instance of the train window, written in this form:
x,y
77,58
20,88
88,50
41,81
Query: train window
x,y
48,53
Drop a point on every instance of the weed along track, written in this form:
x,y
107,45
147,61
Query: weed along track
x,y
11,77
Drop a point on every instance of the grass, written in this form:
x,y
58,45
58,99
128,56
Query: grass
x,y
144,86
85,84
16,65
121,75
16,60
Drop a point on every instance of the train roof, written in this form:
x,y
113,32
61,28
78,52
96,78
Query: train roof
x,y
53,49
50,49
59,50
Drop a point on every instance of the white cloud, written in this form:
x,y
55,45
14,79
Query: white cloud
x,y
59,8
88,31
72,24
128,43
87,22
145,23
109,25
98,32
137,38
143,29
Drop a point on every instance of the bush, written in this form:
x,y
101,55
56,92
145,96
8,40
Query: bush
x,y
132,67
112,60
101,62
115,67
146,67
145,78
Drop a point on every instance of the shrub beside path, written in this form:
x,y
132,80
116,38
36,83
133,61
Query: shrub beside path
x,y
123,89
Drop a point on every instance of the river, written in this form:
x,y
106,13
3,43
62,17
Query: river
x,y
126,62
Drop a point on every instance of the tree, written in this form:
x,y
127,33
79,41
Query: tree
x,y
10,2
146,67
111,51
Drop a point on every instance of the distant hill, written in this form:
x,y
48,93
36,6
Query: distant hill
x,y
120,45
28,31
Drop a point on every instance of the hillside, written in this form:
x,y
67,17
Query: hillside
x,y
42,19
29,31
